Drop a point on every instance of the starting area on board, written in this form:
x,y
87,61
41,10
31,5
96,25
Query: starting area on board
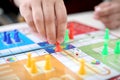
x,y
87,53
13,42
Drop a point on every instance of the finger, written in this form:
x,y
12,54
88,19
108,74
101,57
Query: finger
x,y
114,24
104,4
61,16
96,17
101,6
26,12
114,17
113,8
104,19
38,18
49,18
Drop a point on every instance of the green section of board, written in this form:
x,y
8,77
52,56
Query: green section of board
x,y
95,50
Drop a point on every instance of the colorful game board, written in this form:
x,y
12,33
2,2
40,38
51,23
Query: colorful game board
x,y
87,45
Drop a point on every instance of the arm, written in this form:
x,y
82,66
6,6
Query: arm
x,y
47,17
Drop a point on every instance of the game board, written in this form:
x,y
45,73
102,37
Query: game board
x,y
87,44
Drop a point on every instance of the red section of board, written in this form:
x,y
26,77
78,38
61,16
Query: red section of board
x,y
80,28
115,78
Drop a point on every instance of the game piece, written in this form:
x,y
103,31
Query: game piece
x,y
66,38
48,65
9,41
117,48
28,60
105,49
106,36
71,31
33,66
58,47
15,30
5,36
16,36
82,70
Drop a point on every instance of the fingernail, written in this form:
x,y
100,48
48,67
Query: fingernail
x,y
51,42
97,9
96,17
60,40
44,38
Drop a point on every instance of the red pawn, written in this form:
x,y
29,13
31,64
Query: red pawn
x,y
71,31
58,47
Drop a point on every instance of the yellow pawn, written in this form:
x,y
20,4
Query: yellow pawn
x,y
48,65
33,66
29,60
82,70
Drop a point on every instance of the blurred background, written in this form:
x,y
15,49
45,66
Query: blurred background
x,y
9,13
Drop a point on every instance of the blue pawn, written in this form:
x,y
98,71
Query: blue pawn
x,y
15,31
9,41
4,37
16,36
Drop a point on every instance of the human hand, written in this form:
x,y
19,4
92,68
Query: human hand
x,y
108,13
47,17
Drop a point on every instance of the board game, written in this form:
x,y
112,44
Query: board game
x,y
90,55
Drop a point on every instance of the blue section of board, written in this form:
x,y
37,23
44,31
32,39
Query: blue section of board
x,y
45,44
51,48
48,47
16,47
23,41
69,46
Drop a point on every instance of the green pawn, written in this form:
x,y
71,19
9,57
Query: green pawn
x,y
66,38
105,49
117,48
106,37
